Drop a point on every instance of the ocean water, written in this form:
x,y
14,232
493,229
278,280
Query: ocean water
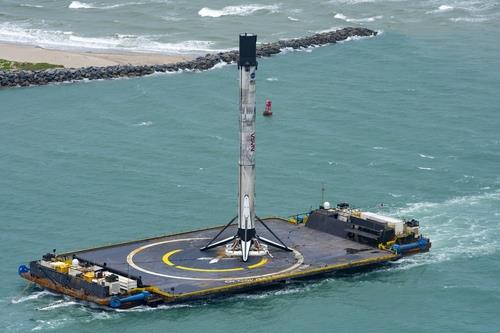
x,y
409,119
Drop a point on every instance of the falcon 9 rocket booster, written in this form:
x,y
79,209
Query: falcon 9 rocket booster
x,y
247,66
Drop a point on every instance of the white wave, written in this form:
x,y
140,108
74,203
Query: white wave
x,y
32,296
79,5
243,10
308,49
171,18
272,79
341,16
441,9
143,308
24,34
293,19
144,123
445,8
30,5
469,19
57,304
99,315
84,5
426,156
463,202
219,65
49,324
425,168
379,148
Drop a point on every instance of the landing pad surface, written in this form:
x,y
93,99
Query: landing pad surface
x,y
175,265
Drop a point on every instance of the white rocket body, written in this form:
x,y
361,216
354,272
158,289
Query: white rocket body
x,y
246,241
246,204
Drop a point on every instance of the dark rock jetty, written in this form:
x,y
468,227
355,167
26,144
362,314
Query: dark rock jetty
x,y
29,78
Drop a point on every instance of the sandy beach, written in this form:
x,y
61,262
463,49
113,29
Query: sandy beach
x,y
75,59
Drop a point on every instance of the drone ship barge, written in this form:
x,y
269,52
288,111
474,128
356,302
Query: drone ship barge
x,y
246,254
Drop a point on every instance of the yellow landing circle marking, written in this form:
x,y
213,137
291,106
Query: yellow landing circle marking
x,y
166,257
166,260
262,262
130,260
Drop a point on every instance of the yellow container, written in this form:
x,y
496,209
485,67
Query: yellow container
x,y
88,276
61,267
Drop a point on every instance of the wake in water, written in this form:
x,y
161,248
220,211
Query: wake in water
x,y
32,296
459,227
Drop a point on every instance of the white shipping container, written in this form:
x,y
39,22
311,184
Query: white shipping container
x,y
396,224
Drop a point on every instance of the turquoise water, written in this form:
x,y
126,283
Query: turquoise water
x,y
409,119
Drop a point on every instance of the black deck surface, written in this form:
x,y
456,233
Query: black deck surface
x,y
176,261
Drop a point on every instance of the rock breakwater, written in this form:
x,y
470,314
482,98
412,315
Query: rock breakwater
x,y
25,78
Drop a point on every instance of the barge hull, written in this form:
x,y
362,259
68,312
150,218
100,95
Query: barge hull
x,y
173,269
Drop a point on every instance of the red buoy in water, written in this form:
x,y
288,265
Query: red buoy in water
x,y
267,110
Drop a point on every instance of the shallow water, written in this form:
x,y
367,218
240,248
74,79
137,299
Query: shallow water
x,y
196,27
408,119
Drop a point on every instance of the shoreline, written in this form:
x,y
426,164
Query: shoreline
x,y
79,59
25,78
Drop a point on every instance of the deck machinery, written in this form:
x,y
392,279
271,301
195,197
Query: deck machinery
x,y
245,254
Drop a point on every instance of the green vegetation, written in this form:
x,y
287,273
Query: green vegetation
x,y
27,66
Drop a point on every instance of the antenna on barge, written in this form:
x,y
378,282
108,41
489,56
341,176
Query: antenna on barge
x,y
246,241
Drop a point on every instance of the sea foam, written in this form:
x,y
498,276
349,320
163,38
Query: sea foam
x,y
30,5
24,34
341,16
469,19
84,5
31,297
243,10
458,227
445,8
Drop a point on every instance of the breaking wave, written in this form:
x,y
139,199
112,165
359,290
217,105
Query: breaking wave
x,y
57,304
469,19
445,8
30,5
32,296
341,16
243,10
84,5
144,123
23,34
